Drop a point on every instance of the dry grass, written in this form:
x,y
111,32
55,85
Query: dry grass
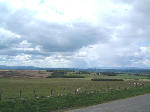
x,y
24,73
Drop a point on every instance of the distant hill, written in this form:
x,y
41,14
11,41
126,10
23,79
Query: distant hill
x,y
19,67
127,70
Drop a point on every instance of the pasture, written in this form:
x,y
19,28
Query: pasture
x,y
33,92
10,87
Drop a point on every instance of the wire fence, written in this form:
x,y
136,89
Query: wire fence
x,y
64,91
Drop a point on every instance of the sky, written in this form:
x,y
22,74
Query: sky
x,y
75,33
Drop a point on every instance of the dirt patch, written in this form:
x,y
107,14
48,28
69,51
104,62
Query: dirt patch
x,y
24,73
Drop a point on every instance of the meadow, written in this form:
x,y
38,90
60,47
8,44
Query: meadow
x,y
11,87
32,94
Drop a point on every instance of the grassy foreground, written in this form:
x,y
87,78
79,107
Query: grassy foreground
x,y
68,101
10,87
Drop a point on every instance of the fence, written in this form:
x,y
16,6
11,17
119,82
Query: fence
x,y
63,92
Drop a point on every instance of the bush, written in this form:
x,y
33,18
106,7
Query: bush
x,y
61,74
109,73
66,76
107,80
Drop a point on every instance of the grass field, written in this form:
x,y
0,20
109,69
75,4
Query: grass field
x,y
68,101
10,87
32,93
119,76
126,76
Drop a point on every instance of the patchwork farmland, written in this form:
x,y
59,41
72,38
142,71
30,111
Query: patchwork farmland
x,y
18,86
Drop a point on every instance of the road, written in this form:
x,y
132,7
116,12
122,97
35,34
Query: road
x,y
134,104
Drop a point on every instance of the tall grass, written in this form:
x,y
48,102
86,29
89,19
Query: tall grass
x,y
68,101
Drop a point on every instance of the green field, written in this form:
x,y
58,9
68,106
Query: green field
x,y
10,87
61,103
41,94
125,76
118,76
28,103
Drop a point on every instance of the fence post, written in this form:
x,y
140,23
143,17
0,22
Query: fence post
x,y
108,87
85,90
51,92
0,95
63,92
20,93
34,93
58,94
75,91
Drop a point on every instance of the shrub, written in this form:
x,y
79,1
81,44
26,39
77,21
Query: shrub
x,y
66,76
107,79
109,73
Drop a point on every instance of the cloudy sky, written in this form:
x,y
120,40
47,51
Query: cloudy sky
x,y
75,33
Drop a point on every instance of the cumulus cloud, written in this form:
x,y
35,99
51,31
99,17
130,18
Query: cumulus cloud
x,y
81,33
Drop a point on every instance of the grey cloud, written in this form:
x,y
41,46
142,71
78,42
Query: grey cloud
x,y
52,37
66,39
7,41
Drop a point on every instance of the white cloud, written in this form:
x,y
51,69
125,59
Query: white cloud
x,y
22,57
75,33
8,34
